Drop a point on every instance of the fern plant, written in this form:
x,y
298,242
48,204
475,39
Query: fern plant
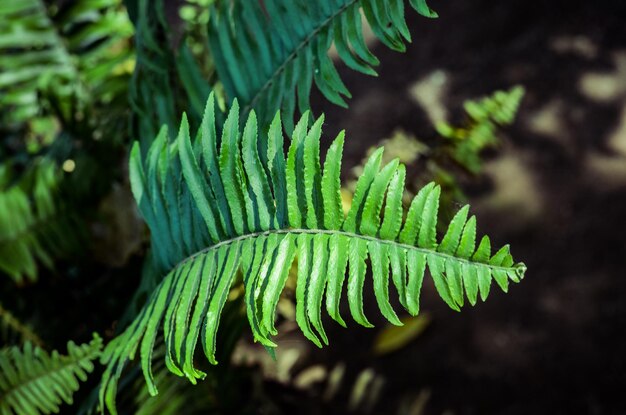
x,y
35,382
62,67
484,116
247,208
228,205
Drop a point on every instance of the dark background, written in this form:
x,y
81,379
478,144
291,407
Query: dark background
x,y
555,343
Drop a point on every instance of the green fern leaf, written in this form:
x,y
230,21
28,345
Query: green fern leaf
x,y
35,382
35,226
14,331
268,54
484,117
79,51
247,235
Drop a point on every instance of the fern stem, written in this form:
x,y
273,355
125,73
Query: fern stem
x,y
330,232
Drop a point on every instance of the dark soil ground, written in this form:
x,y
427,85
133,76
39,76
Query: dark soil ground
x,y
555,344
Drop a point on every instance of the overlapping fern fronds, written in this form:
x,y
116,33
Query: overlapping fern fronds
x,y
74,54
176,396
167,76
34,225
35,382
247,208
267,53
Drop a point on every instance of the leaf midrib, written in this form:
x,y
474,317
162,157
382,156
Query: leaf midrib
x,y
298,231
293,55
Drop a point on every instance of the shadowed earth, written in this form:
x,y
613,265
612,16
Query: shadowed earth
x,y
556,191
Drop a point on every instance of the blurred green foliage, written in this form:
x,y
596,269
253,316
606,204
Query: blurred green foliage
x,y
480,129
33,381
33,222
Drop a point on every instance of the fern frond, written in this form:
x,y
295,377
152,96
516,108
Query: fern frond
x,y
75,52
34,227
480,130
167,76
11,326
176,397
268,52
35,382
246,206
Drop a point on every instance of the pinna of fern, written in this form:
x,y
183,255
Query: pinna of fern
x,y
220,208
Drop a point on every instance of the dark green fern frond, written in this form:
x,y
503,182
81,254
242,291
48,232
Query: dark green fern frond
x,y
244,206
35,382
268,52
167,77
34,226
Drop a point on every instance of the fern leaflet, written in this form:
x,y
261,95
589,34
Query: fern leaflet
x,y
484,116
248,207
33,381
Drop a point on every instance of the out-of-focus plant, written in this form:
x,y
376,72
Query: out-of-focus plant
x,y
14,331
484,118
33,381
56,60
64,71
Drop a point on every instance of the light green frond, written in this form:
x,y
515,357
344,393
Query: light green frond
x,y
175,396
73,51
267,60
34,226
13,331
372,241
35,382
484,117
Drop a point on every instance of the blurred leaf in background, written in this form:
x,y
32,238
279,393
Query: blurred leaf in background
x,y
393,338
481,128
33,222
59,59
33,381
458,154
